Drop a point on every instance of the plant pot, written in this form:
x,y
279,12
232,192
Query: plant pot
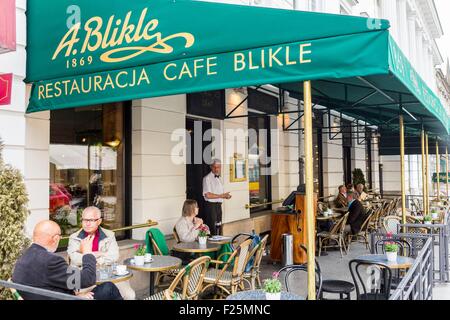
x,y
139,260
202,241
273,296
428,222
391,256
435,215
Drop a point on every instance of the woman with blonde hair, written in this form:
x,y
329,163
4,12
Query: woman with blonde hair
x,y
187,226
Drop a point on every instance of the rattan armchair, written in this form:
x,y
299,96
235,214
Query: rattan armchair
x,y
336,235
228,276
363,234
253,276
188,283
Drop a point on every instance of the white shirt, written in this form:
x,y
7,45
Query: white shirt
x,y
212,184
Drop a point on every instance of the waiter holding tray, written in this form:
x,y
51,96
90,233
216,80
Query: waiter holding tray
x,y
214,195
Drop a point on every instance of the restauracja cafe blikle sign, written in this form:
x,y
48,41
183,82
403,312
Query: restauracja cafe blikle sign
x,y
131,57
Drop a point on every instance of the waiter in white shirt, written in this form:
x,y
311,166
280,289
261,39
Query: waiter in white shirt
x,y
214,195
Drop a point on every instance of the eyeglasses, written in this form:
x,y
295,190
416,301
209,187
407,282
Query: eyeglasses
x,y
90,220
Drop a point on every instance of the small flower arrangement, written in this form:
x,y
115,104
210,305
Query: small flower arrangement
x,y
272,286
203,231
391,247
140,250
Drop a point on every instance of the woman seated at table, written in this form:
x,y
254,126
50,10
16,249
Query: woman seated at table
x,y
187,226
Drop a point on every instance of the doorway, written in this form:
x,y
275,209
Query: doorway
x,y
196,162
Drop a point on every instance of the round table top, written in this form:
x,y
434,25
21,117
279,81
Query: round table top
x,y
222,240
116,278
195,247
261,295
159,263
332,217
401,263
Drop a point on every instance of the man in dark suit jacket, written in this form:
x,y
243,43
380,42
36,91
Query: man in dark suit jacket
x,y
357,215
40,267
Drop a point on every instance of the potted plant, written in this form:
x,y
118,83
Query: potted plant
x,y
428,220
203,233
139,254
391,249
272,288
434,213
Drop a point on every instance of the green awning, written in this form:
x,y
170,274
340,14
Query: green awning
x,y
123,50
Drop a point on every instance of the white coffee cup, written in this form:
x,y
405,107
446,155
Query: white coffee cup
x,y
148,257
121,269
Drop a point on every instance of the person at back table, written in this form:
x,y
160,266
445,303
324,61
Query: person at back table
x,y
187,226
356,215
104,246
341,199
40,267
362,195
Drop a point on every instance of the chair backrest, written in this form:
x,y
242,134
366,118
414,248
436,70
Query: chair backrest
x,y
242,253
404,246
339,227
372,280
175,235
292,270
156,242
193,279
390,224
260,252
37,291
366,222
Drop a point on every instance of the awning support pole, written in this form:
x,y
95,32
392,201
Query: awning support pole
x,y
427,174
446,172
424,177
309,216
402,168
438,172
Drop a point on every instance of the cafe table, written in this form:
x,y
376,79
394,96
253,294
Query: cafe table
x,y
261,295
196,248
114,278
221,240
333,216
158,264
400,263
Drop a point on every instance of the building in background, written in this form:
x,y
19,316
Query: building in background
x,y
120,158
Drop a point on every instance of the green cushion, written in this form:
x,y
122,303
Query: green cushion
x,y
158,236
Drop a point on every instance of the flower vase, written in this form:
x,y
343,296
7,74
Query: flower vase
x,y
273,296
139,260
202,241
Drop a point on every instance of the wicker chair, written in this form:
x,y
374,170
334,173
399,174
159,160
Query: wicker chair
x,y
175,235
253,276
362,234
171,274
189,279
336,235
390,224
228,281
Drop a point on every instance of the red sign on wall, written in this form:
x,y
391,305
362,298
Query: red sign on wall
x,y
5,88
7,25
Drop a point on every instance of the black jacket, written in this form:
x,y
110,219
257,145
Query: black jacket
x,y
42,269
356,217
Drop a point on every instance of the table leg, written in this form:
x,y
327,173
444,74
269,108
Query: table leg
x,y
152,283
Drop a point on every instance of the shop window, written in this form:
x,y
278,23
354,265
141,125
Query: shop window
x,y
87,165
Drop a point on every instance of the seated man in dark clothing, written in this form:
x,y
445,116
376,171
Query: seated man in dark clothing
x,y
40,267
356,216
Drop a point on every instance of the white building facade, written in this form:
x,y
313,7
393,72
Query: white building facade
x,y
157,185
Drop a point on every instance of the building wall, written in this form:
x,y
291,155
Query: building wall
x,y
25,137
158,184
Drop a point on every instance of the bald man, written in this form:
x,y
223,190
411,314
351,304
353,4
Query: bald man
x,y
40,267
